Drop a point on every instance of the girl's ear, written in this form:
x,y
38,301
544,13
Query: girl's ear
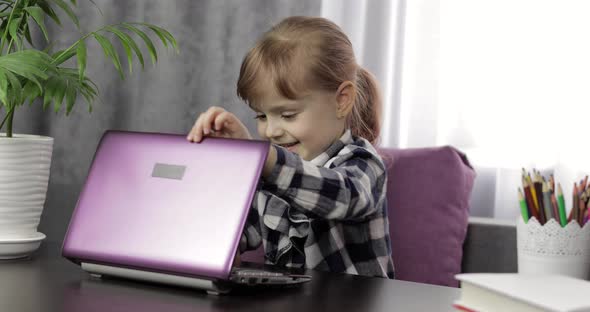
x,y
345,97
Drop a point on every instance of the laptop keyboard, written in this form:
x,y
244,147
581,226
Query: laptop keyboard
x,y
254,273
250,277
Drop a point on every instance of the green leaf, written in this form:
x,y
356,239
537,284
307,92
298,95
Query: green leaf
x,y
81,57
66,7
59,57
50,87
91,87
74,86
110,52
31,91
88,97
4,88
158,33
31,64
163,34
39,18
70,99
13,29
127,43
49,11
171,39
135,48
28,33
64,84
15,96
59,93
146,39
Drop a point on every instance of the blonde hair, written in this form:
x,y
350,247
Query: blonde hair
x,y
302,53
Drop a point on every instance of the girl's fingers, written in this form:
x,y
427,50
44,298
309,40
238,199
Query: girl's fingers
x,y
231,126
191,134
196,133
217,122
203,125
222,121
210,117
206,124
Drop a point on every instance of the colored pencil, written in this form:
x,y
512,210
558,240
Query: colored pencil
x,y
575,203
538,186
533,194
523,206
529,201
554,208
583,206
561,205
547,202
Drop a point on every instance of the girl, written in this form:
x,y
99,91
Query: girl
x,y
321,201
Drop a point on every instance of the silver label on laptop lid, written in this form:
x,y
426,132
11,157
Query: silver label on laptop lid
x,y
168,171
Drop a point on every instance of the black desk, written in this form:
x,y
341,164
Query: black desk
x,y
47,282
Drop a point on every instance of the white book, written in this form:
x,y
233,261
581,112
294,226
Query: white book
x,y
521,292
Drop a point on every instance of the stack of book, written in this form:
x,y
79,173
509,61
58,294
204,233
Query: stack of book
x,y
521,292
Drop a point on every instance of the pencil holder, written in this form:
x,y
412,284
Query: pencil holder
x,y
552,249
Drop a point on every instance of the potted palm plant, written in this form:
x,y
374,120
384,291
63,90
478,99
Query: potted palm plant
x,y
41,75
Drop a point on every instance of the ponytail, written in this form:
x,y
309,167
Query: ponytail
x,y
365,117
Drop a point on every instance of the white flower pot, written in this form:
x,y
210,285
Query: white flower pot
x,y
24,175
552,249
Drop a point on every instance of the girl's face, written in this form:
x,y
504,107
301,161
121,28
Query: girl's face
x,y
306,126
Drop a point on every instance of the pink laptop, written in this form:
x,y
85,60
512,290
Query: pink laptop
x,y
156,207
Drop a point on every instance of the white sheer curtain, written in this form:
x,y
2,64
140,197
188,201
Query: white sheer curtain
x,y
505,81
375,28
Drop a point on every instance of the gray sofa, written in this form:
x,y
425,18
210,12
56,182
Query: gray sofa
x,y
490,246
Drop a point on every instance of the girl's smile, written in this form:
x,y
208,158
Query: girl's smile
x,y
292,147
306,126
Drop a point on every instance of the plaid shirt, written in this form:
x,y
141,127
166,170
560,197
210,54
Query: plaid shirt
x,y
329,213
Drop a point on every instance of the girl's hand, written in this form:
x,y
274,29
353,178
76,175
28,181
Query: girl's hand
x,y
217,122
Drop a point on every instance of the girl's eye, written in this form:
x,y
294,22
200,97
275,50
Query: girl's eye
x,y
260,117
288,116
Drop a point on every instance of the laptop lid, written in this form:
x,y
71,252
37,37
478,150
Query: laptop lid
x,y
160,203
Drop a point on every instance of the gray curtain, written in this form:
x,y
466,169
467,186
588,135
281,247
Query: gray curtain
x,y
213,36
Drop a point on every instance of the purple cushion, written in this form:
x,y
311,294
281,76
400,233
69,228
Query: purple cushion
x,y
428,193
254,255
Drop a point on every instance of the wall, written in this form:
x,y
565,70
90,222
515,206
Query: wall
x,y
213,37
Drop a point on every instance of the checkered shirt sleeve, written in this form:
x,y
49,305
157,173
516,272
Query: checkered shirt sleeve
x,y
329,213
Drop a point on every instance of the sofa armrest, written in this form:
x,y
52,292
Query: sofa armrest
x,y
490,246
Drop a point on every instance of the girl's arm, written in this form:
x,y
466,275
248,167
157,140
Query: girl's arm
x,y
352,190
271,160
251,236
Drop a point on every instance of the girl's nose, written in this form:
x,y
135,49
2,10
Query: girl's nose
x,y
273,129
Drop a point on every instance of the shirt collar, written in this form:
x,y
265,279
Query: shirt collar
x,y
333,149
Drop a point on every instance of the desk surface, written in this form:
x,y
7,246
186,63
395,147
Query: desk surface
x,y
47,282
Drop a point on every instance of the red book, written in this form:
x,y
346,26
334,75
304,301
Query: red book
x,y
463,308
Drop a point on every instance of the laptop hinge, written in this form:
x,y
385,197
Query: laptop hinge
x,y
169,279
